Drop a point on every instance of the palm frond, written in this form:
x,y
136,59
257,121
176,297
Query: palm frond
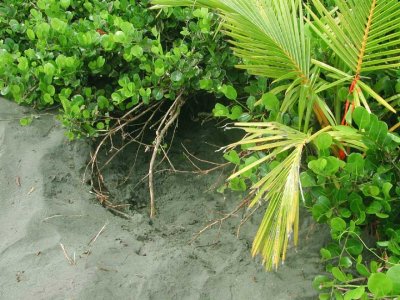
x,y
365,35
280,187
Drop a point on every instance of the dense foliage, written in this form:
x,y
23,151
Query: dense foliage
x,y
101,58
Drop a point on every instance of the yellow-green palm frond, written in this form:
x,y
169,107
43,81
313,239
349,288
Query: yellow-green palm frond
x,y
280,188
365,35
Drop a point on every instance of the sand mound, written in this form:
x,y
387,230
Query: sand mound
x,y
44,205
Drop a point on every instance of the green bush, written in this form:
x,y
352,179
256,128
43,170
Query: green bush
x,y
359,200
101,58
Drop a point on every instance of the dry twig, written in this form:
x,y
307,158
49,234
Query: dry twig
x,y
166,122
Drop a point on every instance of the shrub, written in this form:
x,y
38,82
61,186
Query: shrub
x,y
101,58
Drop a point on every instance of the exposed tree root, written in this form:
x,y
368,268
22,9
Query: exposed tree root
x,y
96,177
133,117
166,122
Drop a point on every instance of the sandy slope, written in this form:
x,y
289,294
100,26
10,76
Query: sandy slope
x,y
131,259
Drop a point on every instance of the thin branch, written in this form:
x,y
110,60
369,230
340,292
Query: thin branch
x,y
169,118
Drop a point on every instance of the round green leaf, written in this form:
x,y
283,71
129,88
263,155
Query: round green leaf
x,y
345,262
361,117
319,282
229,92
137,51
23,63
176,76
236,112
49,69
354,246
270,101
338,224
100,125
119,37
323,141
65,3
307,180
220,110
355,294
233,157
394,274
380,284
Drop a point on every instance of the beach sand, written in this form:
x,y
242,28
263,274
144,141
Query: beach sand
x,y
45,207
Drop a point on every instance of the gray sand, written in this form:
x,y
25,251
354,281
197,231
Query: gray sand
x,y
131,259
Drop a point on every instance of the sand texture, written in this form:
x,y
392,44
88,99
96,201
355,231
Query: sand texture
x,y
44,205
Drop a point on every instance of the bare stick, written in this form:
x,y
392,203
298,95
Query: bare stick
x,y
69,259
169,118
201,160
98,234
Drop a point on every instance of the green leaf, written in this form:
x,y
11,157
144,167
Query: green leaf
x,y
237,184
220,110
394,274
229,92
386,187
117,98
58,25
355,164
100,125
42,30
158,93
318,166
102,102
159,67
338,274
236,112
345,262
325,253
361,117
137,51
206,84
49,69
270,102
323,141
357,293
356,203
23,63
307,180
338,224
25,121
362,270
31,34
354,246
65,3
380,284
176,76
319,282
321,207
119,37
233,157
374,207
